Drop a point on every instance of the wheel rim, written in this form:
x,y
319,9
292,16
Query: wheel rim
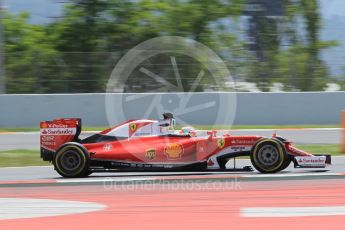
x,y
70,160
268,155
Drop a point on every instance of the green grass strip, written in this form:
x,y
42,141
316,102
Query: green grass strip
x,y
15,158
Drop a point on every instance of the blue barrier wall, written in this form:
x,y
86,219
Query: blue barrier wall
x,y
198,108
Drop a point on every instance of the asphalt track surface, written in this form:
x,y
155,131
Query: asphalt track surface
x,y
38,198
30,140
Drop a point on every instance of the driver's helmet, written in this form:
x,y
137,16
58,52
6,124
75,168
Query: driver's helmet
x,y
168,123
188,130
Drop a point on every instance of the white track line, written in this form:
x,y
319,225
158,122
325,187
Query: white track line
x,y
291,175
103,179
292,211
24,167
17,208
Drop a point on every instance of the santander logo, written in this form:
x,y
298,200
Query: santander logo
x,y
58,131
311,161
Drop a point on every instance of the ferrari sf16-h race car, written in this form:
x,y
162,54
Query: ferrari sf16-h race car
x,y
155,145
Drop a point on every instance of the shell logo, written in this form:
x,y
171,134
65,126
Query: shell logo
x,y
173,151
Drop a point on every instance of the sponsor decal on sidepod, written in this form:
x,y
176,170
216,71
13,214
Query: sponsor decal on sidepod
x,y
150,154
173,151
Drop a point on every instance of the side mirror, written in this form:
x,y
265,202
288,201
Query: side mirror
x,y
212,133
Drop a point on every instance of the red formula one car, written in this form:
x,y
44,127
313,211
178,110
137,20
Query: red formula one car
x,y
154,145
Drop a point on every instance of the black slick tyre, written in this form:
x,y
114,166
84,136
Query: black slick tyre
x,y
269,156
72,160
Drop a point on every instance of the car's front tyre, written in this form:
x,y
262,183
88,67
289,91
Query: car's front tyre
x,y
72,160
269,156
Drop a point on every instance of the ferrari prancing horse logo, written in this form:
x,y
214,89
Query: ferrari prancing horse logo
x,y
221,143
133,126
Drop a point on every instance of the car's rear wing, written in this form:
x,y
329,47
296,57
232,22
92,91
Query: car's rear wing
x,y
57,132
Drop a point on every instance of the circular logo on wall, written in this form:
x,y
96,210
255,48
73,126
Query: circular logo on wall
x,y
170,74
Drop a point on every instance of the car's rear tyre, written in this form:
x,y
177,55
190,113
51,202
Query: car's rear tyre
x,y
269,156
72,160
